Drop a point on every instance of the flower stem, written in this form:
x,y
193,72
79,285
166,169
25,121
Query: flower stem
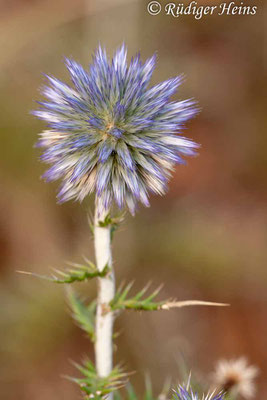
x,y
106,292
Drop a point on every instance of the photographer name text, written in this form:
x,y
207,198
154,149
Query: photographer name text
x,y
199,11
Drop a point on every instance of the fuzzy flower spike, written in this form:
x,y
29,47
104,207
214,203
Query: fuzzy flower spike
x,y
110,133
236,377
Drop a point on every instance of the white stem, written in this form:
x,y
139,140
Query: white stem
x,y
106,292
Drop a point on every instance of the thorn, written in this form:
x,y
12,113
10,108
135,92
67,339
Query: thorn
x,y
186,303
24,272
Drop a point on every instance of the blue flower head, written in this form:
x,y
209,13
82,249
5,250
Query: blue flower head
x,y
186,393
112,134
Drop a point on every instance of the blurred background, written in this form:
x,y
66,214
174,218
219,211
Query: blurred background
x,y
205,239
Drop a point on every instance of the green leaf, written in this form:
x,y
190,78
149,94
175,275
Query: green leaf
x,y
82,314
77,273
113,222
97,387
122,301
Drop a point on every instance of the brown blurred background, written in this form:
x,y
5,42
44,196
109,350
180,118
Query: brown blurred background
x,y
205,239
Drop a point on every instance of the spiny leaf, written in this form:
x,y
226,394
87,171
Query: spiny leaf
x,y
137,302
78,273
82,314
113,222
96,387
121,301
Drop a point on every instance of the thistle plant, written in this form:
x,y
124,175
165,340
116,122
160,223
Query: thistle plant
x,y
111,135
187,393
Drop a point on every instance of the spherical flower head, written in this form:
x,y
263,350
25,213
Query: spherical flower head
x,y
110,133
236,377
187,393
